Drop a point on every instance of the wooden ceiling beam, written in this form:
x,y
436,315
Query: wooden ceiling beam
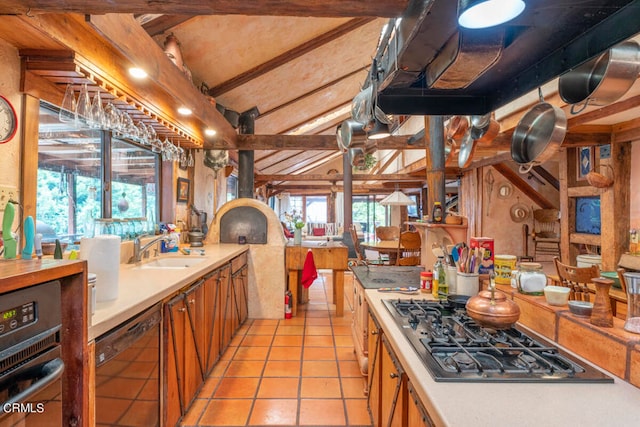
x,y
318,8
310,142
288,56
337,177
163,23
382,188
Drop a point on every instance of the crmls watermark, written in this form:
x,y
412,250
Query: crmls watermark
x,y
23,408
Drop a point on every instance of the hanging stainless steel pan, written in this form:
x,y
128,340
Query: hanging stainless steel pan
x,y
467,147
538,135
602,80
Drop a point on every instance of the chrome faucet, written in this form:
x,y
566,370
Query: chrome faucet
x,y
139,251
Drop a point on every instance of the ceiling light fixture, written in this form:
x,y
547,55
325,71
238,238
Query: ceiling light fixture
x,y
138,73
477,14
379,130
184,111
210,132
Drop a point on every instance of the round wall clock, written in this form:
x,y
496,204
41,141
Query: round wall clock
x,y
8,120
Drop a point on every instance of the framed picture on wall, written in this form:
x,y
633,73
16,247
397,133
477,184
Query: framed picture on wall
x,y
585,162
183,190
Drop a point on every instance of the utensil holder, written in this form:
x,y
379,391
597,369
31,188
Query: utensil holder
x,y
467,283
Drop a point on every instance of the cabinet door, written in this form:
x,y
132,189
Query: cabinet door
x,y
416,412
174,325
240,290
194,341
211,295
393,389
224,313
374,347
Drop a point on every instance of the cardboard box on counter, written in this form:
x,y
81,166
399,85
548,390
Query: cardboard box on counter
x,y
486,265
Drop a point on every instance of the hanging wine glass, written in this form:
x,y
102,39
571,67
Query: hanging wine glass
x,y
151,134
190,161
67,112
156,145
111,117
143,134
83,107
97,113
183,157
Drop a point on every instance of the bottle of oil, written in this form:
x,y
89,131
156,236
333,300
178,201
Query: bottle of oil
x,y
443,286
440,286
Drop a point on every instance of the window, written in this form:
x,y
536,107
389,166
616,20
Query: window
x,y
72,164
316,209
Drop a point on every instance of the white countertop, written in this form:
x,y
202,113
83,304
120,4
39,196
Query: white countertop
x,y
510,404
139,289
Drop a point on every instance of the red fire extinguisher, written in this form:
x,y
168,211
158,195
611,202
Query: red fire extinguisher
x,y
288,304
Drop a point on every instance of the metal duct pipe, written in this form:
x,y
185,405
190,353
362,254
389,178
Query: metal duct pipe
x,y
247,122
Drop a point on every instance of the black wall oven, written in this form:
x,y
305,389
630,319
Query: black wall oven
x,y
31,365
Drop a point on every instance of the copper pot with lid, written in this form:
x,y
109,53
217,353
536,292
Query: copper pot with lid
x,y
492,308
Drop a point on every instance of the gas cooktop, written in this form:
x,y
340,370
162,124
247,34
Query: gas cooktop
x,y
454,347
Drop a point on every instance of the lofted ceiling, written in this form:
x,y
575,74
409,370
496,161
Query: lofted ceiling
x,y
300,63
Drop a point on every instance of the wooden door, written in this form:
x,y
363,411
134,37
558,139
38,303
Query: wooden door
x,y
416,412
194,342
374,349
210,322
393,389
224,312
240,290
173,349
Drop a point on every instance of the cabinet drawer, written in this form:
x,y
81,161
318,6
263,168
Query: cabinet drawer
x,y
238,262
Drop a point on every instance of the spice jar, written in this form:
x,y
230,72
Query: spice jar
x,y
530,278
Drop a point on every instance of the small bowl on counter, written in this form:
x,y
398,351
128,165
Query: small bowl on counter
x,y
557,295
581,308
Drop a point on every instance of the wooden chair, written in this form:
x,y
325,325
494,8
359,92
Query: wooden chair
x,y
388,233
546,232
361,258
409,246
576,278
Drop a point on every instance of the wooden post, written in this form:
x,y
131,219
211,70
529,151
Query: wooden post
x,y
615,203
434,159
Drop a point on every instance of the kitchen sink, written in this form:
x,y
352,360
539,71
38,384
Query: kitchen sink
x,y
170,263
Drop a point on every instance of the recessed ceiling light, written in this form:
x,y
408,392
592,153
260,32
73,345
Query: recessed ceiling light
x,y
184,111
210,132
138,73
477,14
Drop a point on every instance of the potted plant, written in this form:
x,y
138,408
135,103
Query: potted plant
x,y
368,162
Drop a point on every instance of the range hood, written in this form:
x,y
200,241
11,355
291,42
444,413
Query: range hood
x,y
427,65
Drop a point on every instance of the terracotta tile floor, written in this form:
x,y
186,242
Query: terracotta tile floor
x,y
293,372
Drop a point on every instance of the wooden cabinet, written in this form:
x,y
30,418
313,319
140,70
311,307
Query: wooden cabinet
x,y
240,283
199,324
183,374
393,388
392,400
374,348
417,415
212,322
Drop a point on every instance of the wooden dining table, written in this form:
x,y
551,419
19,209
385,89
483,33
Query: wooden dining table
x,y
384,247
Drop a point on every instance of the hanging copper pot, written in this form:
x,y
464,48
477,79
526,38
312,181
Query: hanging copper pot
x,y
457,127
493,309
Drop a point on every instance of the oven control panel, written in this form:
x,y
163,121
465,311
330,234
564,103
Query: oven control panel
x,y
17,317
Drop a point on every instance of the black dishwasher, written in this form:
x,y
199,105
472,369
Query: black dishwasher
x,y
128,372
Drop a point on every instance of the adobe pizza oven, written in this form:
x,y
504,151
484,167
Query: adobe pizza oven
x,y
243,223
262,233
